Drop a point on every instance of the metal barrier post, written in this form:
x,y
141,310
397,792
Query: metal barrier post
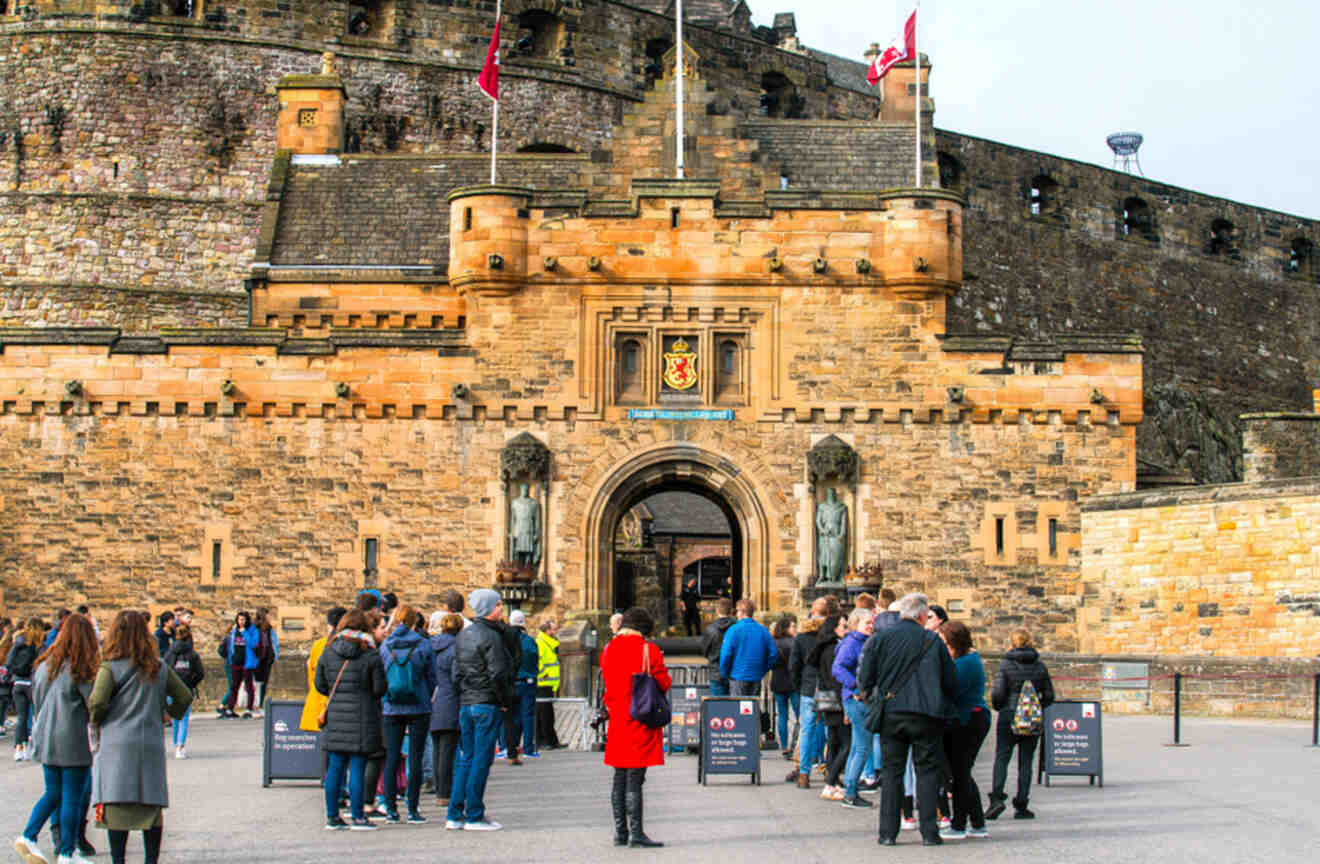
x,y
1315,714
1177,711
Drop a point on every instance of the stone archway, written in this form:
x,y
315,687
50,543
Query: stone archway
x,y
693,469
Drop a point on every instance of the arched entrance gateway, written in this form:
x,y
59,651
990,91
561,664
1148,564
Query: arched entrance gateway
x,y
677,469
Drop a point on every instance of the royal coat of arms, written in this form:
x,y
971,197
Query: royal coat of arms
x,y
680,366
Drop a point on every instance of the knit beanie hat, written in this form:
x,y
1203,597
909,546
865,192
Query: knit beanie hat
x,y
483,601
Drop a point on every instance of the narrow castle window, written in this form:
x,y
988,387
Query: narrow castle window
x,y
539,35
216,549
371,19
1301,257
728,368
779,97
1054,538
1042,195
1221,237
999,536
1136,218
370,552
656,49
950,170
629,380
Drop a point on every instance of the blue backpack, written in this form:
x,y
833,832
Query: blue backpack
x,y
401,678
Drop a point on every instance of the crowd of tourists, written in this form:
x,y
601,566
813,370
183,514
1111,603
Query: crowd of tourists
x,y
889,697
386,685
91,711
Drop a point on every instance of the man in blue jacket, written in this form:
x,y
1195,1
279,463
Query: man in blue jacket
x,y
748,652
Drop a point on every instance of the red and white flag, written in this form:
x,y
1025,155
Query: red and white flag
x,y
489,79
902,48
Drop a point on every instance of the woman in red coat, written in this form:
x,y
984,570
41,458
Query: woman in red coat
x,y
630,747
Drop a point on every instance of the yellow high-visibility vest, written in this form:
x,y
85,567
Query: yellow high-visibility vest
x,y
547,649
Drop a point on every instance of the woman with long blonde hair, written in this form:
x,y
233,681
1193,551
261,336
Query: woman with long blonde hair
x,y
61,687
133,690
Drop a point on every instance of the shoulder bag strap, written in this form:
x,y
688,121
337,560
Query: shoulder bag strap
x,y
335,686
910,671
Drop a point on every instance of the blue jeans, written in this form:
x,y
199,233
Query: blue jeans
x,y
876,755
355,764
479,729
783,702
415,727
526,708
811,735
64,792
181,728
859,755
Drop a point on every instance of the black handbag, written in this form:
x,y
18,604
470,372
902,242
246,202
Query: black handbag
x,y
649,705
827,700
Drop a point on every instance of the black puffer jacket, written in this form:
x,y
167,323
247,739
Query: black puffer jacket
x,y
1018,666
353,723
802,672
483,670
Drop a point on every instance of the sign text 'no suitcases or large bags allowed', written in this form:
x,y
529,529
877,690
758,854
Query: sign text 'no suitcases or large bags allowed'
x,y
1073,744
730,737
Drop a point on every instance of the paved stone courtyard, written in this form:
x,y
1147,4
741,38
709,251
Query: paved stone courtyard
x,y
1242,792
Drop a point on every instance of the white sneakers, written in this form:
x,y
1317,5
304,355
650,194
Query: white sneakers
x,y
75,858
483,825
22,754
179,754
28,851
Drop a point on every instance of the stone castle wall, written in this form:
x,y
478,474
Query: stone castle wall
x,y
1227,328
1281,446
1222,571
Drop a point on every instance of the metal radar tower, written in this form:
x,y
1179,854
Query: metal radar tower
x,y
1125,146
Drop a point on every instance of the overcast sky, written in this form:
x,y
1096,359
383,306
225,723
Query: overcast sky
x,y
1225,93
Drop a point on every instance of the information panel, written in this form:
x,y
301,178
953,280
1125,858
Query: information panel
x,y
290,753
685,728
730,737
1072,744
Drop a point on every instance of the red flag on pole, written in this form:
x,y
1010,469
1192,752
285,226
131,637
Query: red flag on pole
x,y
902,48
489,79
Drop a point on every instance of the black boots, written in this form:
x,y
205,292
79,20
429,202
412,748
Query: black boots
x,y
996,808
637,836
84,846
618,801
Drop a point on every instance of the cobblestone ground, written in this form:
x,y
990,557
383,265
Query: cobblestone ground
x,y
1242,792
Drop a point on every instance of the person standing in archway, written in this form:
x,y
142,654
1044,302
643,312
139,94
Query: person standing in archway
x,y
690,597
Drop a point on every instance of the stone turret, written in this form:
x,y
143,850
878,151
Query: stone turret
x,y
311,118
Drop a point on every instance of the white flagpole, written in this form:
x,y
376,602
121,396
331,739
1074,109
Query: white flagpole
x,y
495,104
916,49
678,76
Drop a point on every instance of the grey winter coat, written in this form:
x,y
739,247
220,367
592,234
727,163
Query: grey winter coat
x,y
130,766
59,735
444,702
353,716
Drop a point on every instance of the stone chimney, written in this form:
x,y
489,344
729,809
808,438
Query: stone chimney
x,y
311,118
